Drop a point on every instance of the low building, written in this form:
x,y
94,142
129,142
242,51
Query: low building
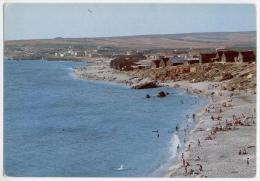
x,y
80,54
191,60
154,57
229,56
218,56
206,57
155,64
131,52
165,62
246,56
177,60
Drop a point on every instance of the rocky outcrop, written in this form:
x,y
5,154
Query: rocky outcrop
x,y
146,85
161,94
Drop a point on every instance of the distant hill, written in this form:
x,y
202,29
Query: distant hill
x,y
187,40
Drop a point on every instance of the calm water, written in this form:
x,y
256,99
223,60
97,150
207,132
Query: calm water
x,y
58,125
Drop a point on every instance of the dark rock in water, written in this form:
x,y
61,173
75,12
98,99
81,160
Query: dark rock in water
x,y
161,94
147,96
146,85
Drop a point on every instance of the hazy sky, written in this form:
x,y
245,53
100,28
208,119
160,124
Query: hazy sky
x,y
31,21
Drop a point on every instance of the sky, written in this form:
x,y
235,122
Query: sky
x,y
43,21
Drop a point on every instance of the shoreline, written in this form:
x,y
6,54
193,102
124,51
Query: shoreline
x,y
220,150
225,159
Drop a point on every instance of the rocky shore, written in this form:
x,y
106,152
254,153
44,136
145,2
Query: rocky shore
x,y
223,142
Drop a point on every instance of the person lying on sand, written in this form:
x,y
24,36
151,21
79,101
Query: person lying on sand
x,y
244,152
200,168
191,172
208,138
197,159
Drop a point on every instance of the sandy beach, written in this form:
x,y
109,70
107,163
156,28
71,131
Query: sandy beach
x,y
218,152
223,141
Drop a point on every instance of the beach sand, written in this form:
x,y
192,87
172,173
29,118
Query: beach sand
x,y
218,157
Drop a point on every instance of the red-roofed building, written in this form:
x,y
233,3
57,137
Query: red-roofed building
x,y
165,62
155,64
218,56
206,57
229,56
246,56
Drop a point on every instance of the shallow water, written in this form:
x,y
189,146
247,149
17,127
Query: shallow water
x,y
58,125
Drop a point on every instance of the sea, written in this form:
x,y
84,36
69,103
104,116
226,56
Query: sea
x,y
57,125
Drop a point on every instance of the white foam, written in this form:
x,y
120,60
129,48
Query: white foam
x,y
162,169
122,167
175,141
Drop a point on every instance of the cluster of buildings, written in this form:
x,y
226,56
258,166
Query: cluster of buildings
x,y
69,52
98,52
220,56
127,62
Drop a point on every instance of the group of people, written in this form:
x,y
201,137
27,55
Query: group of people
x,y
186,164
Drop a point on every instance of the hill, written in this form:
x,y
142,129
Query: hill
x,y
167,41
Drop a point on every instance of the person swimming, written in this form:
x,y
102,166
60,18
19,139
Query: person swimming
x,y
177,127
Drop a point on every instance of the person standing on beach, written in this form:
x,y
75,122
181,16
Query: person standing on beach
x,y
198,142
189,147
247,161
178,147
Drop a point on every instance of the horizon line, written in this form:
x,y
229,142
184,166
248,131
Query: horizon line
x,y
121,36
